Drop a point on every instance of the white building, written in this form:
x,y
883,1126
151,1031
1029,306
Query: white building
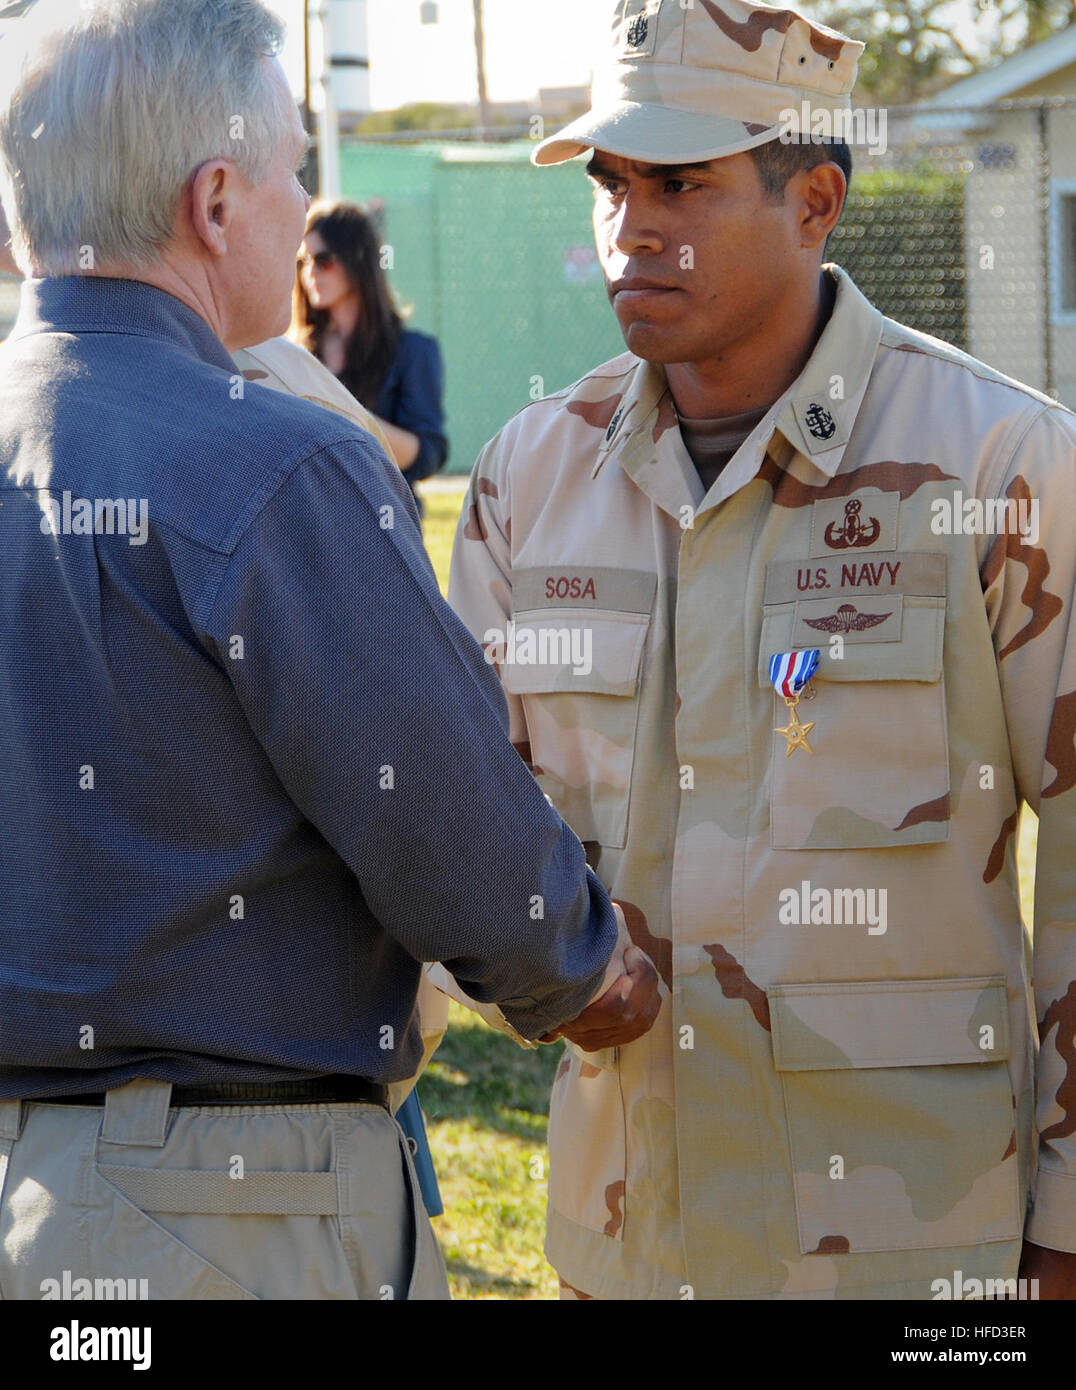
x,y
1018,134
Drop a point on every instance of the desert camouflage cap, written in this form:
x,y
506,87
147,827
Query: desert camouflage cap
x,y
689,80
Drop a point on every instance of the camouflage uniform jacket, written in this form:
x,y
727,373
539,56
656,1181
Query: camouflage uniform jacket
x,y
838,1097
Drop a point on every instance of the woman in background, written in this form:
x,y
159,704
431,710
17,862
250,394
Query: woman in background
x,y
344,314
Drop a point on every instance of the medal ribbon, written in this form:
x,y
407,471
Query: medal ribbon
x,y
790,671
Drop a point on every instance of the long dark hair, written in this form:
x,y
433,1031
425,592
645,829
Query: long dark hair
x,y
352,238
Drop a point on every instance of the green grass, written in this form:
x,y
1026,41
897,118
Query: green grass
x,y
439,528
486,1102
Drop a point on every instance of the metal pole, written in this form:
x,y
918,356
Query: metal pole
x,y
480,57
306,65
1047,292
328,133
311,174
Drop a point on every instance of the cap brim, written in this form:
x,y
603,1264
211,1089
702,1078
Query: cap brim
x,y
652,135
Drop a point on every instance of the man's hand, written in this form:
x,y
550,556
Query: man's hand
x,y
624,1012
1054,1269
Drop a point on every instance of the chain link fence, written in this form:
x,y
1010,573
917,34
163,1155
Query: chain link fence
x,y
959,222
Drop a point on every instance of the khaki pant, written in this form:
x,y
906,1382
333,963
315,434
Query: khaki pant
x,y
216,1201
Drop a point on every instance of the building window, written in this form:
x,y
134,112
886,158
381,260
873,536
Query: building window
x,y
1068,253
1063,257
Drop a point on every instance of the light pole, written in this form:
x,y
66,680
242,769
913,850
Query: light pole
x,y
306,66
480,63
318,13
427,13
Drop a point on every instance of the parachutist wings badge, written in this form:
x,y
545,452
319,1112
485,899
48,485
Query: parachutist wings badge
x,y
847,619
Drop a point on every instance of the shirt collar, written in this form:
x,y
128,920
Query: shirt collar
x,y
100,304
637,408
815,415
644,438
818,411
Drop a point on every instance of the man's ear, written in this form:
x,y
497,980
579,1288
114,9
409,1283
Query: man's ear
x,y
7,260
213,204
822,191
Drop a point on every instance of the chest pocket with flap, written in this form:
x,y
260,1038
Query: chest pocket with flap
x,y
878,773
578,640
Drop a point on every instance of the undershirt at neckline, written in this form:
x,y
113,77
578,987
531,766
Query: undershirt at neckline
x,y
711,443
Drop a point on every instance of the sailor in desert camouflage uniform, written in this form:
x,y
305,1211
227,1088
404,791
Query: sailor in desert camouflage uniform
x,y
837,1100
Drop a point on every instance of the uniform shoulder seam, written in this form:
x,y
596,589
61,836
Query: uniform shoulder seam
x,y
901,340
1020,435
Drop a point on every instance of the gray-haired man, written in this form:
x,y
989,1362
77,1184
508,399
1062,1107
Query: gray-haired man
x,y
247,749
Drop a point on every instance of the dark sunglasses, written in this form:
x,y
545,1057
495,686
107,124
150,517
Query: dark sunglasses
x,y
324,260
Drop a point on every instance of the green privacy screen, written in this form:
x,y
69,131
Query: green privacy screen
x,y
496,259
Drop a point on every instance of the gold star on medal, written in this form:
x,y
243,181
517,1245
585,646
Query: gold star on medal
x,y
795,735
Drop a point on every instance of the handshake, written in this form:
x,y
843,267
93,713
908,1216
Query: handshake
x,y
627,1002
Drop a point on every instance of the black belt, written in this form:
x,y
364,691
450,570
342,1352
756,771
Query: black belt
x,y
321,1088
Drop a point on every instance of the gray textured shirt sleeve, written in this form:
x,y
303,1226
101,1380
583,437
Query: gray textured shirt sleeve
x,y
389,731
